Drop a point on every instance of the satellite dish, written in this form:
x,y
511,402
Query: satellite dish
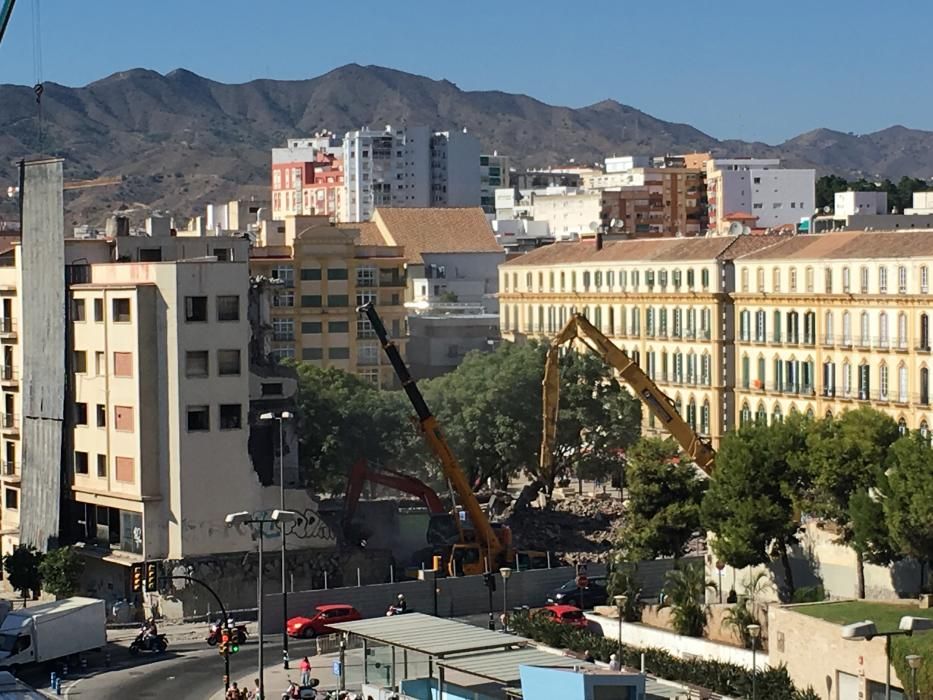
x,y
826,209
735,229
594,226
746,230
616,223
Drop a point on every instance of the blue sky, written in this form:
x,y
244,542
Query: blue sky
x,y
749,70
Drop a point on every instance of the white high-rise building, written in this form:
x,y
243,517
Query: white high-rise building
x,y
408,167
758,187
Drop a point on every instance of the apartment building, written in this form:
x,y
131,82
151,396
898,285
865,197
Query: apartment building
x,y
775,196
324,272
832,321
665,302
493,174
408,167
311,187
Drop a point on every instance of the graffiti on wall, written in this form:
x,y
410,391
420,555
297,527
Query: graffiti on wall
x,y
309,528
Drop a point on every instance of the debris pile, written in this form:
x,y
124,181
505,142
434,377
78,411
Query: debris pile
x,y
577,529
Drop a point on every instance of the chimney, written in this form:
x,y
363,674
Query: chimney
x,y
599,241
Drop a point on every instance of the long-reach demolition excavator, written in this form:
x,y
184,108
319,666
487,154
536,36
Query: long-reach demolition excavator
x,y
481,546
579,328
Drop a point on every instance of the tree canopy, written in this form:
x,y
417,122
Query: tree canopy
x,y
22,570
60,571
908,503
900,195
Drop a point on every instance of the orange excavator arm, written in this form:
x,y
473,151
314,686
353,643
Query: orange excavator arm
x,y
360,473
579,328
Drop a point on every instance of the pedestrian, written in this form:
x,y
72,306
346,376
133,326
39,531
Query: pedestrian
x,y
614,664
305,668
254,693
233,692
588,657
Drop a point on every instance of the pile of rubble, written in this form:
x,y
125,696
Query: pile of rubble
x,y
577,529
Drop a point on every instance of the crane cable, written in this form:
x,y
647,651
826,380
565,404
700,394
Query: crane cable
x,y
38,88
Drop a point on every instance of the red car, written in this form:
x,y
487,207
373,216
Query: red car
x,y
564,615
318,622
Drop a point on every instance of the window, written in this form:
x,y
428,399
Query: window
x,y
337,300
99,310
196,363
924,386
286,273
864,330
924,332
272,388
123,419
760,326
902,331
125,471
649,278
691,279
121,310
776,279
77,310
101,416
662,278
793,279
882,280
310,300
902,279
777,327
80,413
705,370
102,466
828,328
123,364
829,378
777,416
100,363
283,299
196,309
704,418
228,307
283,329
924,279
81,463
80,361
228,362
902,384
846,282
828,280
336,273
745,417
313,274
11,499
746,372
863,273
745,280
809,328
586,280
675,278
883,382
744,322
846,379
793,327
809,278
338,353
199,419
846,328
864,382
649,322
760,279
312,353
761,415
231,416
704,278
883,329
677,330
338,327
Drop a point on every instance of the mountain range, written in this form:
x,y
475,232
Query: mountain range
x,y
180,140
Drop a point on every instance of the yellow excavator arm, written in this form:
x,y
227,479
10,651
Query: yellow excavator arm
x,y
578,328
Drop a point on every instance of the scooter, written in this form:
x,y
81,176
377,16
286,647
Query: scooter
x,y
239,633
157,643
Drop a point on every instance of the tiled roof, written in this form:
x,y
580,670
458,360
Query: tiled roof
x,y
847,245
436,230
644,249
369,232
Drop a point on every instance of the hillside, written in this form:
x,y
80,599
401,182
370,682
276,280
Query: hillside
x,y
182,140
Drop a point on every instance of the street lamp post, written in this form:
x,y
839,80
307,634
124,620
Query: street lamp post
x,y
620,601
867,631
754,631
506,572
914,662
280,419
720,565
280,518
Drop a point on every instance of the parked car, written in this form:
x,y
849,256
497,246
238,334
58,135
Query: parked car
x,y
563,615
583,598
317,623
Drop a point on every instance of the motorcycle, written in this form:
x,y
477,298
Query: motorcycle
x,y
394,610
157,643
239,633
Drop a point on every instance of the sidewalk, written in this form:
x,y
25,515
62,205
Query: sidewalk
x,y
276,678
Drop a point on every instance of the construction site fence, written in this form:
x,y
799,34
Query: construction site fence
x,y
455,597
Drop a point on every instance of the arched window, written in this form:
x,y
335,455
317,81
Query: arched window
x,y
883,382
586,280
598,279
793,327
902,279
924,279
692,413
776,327
863,273
610,278
704,418
846,281
924,332
745,417
828,328
793,279
846,328
540,319
649,322
745,279
550,281
924,386
828,279
679,406
528,279
902,425
902,331
540,281
902,383
776,415
761,415
810,413
623,279
776,279
563,281
865,331
705,369
883,329
760,278
809,328
809,279
598,317
612,321
882,280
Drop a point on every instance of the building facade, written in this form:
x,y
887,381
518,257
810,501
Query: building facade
x,y
665,302
324,272
493,174
834,321
758,186
313,187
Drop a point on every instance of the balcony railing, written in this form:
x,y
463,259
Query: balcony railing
x,y
7,326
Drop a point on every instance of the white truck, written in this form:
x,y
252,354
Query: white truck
x,y
52,631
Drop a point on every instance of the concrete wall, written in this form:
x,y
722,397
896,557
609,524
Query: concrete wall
x,y
466,595
716,628
685,647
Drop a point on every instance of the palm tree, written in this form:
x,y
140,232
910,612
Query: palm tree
x,y
684,588
748,609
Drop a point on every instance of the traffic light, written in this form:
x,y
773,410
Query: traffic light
x,y
229,643
152,576
489,579
136,577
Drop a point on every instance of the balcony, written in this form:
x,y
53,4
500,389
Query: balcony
x,y
10,470
8,375
8,330
9,424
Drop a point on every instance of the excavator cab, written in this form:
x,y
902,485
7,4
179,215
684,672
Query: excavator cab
x,y
466,560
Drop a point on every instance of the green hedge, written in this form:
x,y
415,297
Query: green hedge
x,y
717,676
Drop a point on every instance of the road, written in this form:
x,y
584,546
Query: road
x,y
189,670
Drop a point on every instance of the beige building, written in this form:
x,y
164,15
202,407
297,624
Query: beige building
x,y
665,302
325,272
832,321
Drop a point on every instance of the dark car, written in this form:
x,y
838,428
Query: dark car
x,y
583,598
